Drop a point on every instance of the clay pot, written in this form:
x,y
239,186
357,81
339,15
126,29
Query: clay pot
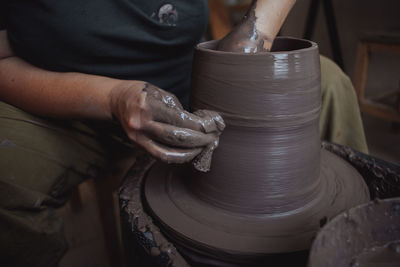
x,y
268,159
271,185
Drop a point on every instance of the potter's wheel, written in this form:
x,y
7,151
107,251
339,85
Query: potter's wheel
x,y
216,232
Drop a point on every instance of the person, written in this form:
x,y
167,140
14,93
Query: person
x,y
80,88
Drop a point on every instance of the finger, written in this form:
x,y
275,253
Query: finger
x,y
212,119
184,119
177,117
165,107
164,153
168,112
176,136
162,96
171,100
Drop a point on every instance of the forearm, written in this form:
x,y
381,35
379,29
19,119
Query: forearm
x,y
150,116
53,94
258,28
270,16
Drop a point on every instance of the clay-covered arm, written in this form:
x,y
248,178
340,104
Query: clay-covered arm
x,y
150,116
258,28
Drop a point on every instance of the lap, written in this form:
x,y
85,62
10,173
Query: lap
x,y
340,120
41,160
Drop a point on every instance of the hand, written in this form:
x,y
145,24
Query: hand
x,y
258,28
155,119
244,38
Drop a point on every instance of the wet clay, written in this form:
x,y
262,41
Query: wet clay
x,y
180,136
202,162
270,186
245,37
364,236
242,237
161,125
271,107
257,30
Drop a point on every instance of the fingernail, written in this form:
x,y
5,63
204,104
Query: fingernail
x,y
219,121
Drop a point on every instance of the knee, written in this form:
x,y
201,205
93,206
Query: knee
x,y
334,82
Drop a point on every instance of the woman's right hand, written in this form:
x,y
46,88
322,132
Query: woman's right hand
x,y
155,119
258,28
150,116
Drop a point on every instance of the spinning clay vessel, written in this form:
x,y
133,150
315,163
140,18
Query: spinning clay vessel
x,y
271,185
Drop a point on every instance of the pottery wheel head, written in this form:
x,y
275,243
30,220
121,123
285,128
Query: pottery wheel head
x,y
209,230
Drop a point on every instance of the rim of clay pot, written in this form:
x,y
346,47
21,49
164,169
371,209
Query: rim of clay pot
x,y
366,226
303,45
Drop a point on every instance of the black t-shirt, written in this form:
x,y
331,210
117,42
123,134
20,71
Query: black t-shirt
x,y
2,16
150,40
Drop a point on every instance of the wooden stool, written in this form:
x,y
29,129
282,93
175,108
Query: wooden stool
x,y
368,44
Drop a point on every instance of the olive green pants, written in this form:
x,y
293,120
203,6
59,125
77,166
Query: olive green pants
x,y
41,160
340,120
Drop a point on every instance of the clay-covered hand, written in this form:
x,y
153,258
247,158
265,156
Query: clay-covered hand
x,y
258,28
244,38
155,119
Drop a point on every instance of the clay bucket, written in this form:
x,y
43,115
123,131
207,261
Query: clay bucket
x,y
367,235
268,159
